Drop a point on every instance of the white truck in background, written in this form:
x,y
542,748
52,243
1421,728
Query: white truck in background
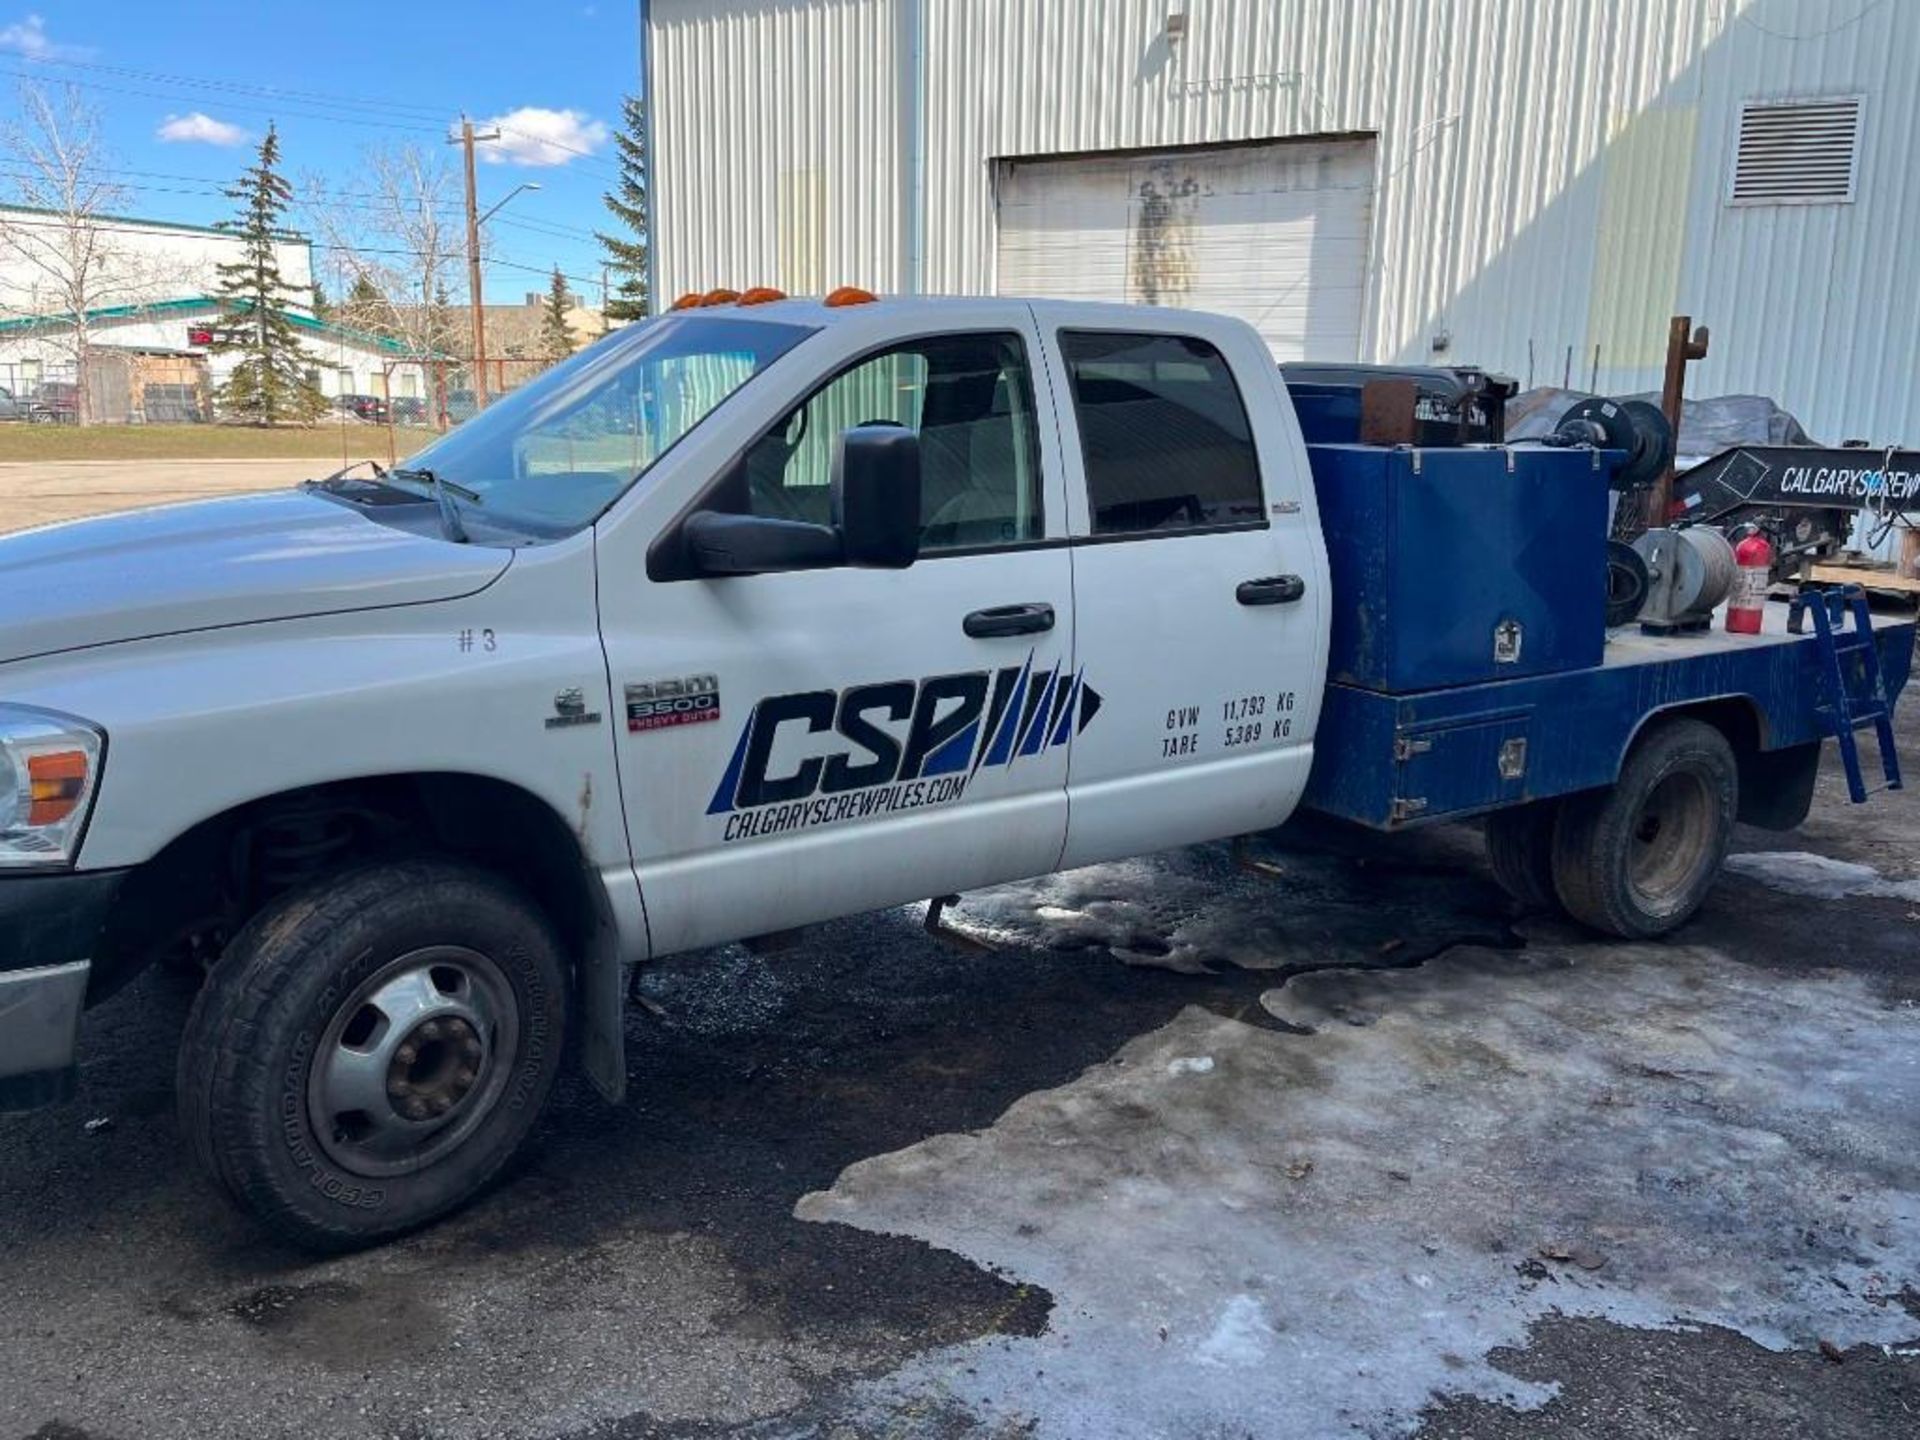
x,y
747,617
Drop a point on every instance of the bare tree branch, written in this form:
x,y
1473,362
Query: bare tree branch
x,y
400,248
67,260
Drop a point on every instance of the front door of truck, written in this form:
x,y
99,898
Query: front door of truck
x,y
1199,580
812,743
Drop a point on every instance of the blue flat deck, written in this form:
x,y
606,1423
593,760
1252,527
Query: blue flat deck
x,y
1391,761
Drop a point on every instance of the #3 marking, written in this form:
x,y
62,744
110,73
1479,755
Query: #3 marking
x,y
686,700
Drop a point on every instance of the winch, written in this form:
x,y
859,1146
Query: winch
x,y
1689,572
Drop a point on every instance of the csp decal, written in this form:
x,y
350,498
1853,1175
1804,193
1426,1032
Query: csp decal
x,y
954,725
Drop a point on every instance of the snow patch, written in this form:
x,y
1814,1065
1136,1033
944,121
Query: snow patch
x,y
1241,1336
1344,1222
1799,873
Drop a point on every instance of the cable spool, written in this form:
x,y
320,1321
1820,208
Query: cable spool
x,y
1690,572
1633,426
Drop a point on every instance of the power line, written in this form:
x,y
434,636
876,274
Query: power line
x,y
109,228
317,103
330,201
271,111
242,87
360,200
546,227
586,155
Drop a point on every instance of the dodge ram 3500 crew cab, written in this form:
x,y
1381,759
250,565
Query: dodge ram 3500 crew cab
x,y
759,614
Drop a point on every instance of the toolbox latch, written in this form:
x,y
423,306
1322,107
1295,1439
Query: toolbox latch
x,y
1405,747
1513,758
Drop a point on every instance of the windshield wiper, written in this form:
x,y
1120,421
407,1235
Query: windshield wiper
x,y
443,492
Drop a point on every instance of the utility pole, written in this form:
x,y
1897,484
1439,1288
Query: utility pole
x,y
475,304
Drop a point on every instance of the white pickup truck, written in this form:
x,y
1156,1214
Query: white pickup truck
x,y
750,616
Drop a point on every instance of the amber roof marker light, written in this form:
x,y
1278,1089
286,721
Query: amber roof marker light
x,y
686,301
761,295
719,297
849,295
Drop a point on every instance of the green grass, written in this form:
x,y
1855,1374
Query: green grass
x,y
22,442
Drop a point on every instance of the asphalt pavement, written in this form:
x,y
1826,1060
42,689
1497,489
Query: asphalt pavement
x,y
1318,1138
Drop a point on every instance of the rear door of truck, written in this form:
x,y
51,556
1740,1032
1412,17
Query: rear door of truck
x,y
1199,579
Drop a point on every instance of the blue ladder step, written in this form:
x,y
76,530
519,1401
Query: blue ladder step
x,y
1845,712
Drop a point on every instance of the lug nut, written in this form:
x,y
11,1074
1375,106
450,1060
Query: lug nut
x,y
407,1053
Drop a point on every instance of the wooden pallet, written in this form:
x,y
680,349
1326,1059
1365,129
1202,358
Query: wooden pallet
x,y
1868,577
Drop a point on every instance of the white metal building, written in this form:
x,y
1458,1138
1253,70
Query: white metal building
x,y
1531,185
149,296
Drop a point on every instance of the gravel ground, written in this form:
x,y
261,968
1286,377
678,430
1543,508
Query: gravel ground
x,y
1131,1171
44,491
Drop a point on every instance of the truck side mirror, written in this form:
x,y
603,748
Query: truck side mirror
x,y
876,495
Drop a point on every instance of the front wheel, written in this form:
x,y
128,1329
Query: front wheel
x,y
372,1050
1637,859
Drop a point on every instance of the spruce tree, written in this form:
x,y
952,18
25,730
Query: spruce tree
x,y
556,338
269,383
627,254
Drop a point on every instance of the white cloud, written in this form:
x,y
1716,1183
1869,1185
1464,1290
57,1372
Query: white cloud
x,y
533,135
28,38
198,129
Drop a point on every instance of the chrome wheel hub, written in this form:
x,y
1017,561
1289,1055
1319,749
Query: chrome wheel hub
x,y
413,1061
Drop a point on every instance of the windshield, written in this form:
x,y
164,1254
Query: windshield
x,y
551,455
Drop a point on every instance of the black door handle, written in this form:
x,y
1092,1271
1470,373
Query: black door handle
x,y
1008,620
1272,590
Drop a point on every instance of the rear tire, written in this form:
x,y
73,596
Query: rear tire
x,y
1636,859
372,1050
1520,850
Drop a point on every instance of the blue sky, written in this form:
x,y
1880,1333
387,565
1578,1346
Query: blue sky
x,y
185,90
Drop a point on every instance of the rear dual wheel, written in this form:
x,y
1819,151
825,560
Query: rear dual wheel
x,y
1636,859
371,1051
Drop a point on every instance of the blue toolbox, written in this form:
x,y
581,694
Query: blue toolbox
x,y
1460,566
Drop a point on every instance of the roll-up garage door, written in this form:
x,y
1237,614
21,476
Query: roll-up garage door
x,y
1274,232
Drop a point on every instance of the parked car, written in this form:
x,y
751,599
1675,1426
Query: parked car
x,y
461,405
55,402
408,410
11,407
366,407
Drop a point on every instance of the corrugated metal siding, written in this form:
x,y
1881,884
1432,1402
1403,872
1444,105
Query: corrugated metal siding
x,y
777,143
1535,197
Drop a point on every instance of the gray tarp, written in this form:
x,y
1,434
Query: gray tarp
x,y
1706,426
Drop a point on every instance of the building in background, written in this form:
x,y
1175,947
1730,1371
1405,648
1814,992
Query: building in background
x,y
149,336
513,331
1531,185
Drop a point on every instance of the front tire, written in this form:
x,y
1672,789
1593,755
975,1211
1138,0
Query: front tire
x,y
1637,859
372,1050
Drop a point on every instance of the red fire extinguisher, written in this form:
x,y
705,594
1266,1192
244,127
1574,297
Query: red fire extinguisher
x,y
1754,557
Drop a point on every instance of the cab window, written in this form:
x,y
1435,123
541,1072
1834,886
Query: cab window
x,y
1164,435
969,396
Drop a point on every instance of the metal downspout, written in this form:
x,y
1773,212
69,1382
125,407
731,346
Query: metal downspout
x,y
915,88
653,164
